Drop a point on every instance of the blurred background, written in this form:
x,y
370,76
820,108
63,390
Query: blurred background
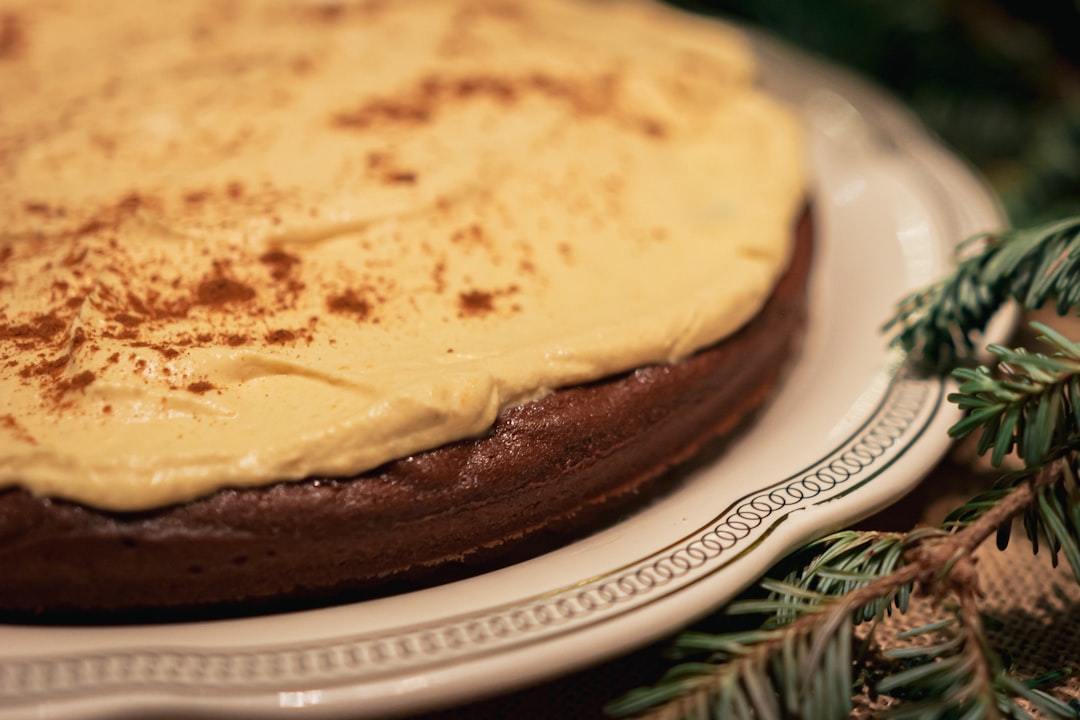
x,y
997,80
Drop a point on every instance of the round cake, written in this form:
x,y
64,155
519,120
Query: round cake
x,y
296,298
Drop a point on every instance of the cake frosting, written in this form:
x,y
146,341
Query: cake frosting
x,y
260,241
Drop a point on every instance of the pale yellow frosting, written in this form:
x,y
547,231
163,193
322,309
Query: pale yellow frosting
x,y
244,242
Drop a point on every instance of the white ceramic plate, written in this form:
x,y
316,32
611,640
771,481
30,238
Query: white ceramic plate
x,y
847,435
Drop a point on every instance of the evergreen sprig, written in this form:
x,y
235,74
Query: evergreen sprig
x,y
1052,518
799,671
803,660
848,561
1029,403
954,675
938,326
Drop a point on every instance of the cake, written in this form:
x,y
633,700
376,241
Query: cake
x,y
299,297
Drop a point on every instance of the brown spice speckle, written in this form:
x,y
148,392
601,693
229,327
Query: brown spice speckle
x,y
653,128
418,105
280,336
43,328
349,302
45,367
37,208
12,36
76,382
215,291
127,319
475,303
12,425
280,263
438,277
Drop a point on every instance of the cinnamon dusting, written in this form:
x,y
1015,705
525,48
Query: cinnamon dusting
x,y
9,423
281,263
284,336
12,36
127,319
52,367
219,290
475,303
349,302
76,383
42,328
422,102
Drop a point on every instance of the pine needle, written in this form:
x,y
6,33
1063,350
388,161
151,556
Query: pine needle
x,y
939,325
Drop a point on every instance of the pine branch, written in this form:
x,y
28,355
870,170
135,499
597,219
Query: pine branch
x,y
938,326
799,663
958,676
965,687
1030,402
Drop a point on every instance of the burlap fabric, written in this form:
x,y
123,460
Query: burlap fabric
x,y
1033,612
1032,608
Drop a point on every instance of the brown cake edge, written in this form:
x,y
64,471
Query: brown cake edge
x,y
554,460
